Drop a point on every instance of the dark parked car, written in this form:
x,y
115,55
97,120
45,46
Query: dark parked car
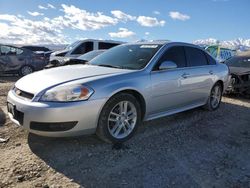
x,y
37,48
40,50
240,73
20,60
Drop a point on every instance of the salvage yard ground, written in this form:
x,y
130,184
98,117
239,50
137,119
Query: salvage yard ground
x,y
196,148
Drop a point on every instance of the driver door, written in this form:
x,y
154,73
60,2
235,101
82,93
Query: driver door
x,y
169,90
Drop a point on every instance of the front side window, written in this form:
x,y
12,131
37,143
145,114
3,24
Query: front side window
x,y
73,45
174,54
134,56
84,48
195,57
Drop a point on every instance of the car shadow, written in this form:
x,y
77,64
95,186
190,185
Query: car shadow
x,y
2,117
8,78
179,150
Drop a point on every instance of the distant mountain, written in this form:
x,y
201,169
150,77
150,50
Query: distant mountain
x,y
52,47
237,44
55,46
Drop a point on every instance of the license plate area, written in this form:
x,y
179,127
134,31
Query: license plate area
x,y
17,115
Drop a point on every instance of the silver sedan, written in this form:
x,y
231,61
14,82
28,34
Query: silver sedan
x,y
118,90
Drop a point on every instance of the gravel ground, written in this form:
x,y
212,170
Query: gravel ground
x,y
196,148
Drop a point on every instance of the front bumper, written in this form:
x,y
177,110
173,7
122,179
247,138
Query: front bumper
x,y
85,113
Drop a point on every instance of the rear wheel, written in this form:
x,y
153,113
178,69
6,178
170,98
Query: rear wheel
x,y
25,70
119,118
214,99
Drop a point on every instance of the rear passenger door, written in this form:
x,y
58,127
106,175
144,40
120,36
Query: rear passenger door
x,y
198,75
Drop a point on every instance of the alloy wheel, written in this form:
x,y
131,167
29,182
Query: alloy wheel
x,y
122,119
26,70
216,96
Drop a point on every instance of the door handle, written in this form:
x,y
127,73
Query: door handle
x,y
185,75
211,72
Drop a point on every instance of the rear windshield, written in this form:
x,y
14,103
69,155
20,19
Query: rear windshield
x,y
134,56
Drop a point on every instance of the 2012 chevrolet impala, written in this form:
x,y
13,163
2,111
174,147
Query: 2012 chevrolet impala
x,y
118,90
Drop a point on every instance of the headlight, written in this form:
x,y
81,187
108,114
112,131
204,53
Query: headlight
x,y
66,93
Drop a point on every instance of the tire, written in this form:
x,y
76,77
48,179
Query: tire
x,y
214,99
25,70
116,125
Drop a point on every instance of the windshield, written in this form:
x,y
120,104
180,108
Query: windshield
x,y
90,55
134,56
239,62
71,46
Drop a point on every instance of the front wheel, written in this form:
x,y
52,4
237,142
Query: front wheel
x,y
25,70
214,99
119,118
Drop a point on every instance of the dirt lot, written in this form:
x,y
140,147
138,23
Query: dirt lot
x,y
196,148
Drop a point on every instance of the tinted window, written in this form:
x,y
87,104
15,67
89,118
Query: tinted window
x,y
7,50
175,54
106,45
211,60
83,48
134,56
195,57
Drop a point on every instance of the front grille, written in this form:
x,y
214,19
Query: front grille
x,y
52,126
19,117
23,94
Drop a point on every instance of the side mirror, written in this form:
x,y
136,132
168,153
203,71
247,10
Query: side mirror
x,y
167,65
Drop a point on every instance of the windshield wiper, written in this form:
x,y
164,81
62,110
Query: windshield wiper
x,y
111,66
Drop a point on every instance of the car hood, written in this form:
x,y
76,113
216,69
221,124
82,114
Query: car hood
x,y
239,70
38,81
59,52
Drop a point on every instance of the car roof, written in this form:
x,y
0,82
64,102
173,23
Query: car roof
x,y
9,45
99,40
163,43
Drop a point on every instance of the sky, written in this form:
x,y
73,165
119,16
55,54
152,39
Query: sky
x,y
61,22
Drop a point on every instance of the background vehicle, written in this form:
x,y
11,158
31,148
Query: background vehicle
x,y
83,58
78,48
36,48
20,60
41,50
219,53
239,66
117,90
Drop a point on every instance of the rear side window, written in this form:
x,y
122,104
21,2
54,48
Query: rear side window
x,y
83,48
106,45
195,57
175,54
211,61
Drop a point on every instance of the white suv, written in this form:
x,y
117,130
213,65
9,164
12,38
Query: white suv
x,y
78,48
